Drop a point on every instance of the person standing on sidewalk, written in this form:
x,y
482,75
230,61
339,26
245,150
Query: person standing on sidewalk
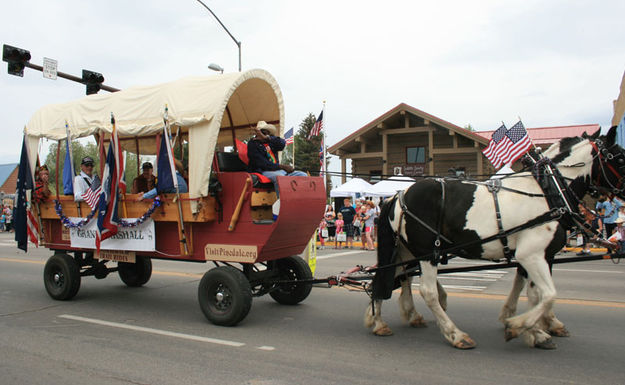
x,y
609,207
349,215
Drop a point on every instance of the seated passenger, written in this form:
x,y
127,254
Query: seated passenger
x,y
262,152
182,185
146,181
42,191
83,180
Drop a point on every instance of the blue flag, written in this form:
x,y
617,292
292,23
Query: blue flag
x,y
167,181
68,171
24,183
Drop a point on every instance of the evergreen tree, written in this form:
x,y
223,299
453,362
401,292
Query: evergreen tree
x,y
307,157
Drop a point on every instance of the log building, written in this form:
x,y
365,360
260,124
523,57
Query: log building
x,y
411,142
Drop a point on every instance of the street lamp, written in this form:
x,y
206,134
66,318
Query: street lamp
x,y
216,67
238,43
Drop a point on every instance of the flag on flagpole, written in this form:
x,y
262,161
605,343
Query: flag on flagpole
x,y
25,222
317,127
491,150
289,137
321,165
68,166
517,143
167,180
108,218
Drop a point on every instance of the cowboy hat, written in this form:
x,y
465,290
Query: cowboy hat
x,y
262,125
619,220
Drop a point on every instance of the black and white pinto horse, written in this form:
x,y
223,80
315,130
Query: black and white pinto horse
x,y
465,215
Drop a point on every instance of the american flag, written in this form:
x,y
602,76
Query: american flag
x,y
490,152
517,143
289,137
25,222
108,218
92,195
317,127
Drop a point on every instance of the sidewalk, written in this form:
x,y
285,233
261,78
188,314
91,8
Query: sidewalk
x,y
358,244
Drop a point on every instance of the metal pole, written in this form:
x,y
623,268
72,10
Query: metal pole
x,y
69,77
238,43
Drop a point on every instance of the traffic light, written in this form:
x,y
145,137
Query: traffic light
x,y
17,58
93,81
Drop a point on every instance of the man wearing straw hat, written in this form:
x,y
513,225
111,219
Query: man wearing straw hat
x,y
262,151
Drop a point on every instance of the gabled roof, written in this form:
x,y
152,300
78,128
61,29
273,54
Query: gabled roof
x,y
6,171
549,135
415,111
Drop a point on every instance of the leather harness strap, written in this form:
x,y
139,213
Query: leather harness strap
x,y
494,186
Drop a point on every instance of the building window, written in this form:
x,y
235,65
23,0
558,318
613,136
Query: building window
x,y
375,175
415,155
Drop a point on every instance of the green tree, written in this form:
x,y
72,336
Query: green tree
x,y
307,150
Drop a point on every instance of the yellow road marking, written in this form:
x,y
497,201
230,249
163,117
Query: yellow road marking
x,y
583,302
177,274
21,260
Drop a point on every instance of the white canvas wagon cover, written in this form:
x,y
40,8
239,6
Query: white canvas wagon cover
x,y
200,106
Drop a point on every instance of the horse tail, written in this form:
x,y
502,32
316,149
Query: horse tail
x,y
383,281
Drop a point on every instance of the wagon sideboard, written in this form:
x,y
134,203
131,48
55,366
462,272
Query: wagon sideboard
x,y
256,237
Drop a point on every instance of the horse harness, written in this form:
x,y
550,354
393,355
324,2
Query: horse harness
x,y
561,200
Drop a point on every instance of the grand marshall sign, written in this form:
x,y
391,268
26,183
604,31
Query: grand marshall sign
x,y
139,238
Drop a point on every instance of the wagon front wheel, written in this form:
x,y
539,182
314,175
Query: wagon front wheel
x,y
61,277
135,274
292,269
225,296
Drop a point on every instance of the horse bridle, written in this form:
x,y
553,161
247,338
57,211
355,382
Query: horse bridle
x,y
606,157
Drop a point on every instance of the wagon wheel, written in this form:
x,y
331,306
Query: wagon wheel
x,y
225,295
292,269
135,274
61,277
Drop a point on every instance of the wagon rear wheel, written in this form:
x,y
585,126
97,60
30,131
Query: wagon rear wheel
x,y
225,296
61,277
135,274
292,269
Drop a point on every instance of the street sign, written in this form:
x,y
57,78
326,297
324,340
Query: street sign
x,y
49,68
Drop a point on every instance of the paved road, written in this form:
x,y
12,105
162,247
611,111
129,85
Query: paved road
x,y
111,334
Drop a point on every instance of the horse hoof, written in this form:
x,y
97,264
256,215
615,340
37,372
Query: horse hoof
x,y
510,333
547,344
383,331
418,323
560,332
465,343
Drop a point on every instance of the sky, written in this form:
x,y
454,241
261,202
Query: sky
x,y
468,62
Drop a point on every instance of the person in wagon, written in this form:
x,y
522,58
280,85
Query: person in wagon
x,y
146,181
182,184
85,179
42,190
262,152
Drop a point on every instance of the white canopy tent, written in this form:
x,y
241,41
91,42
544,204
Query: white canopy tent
x,y
391,186
351,188
209,111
